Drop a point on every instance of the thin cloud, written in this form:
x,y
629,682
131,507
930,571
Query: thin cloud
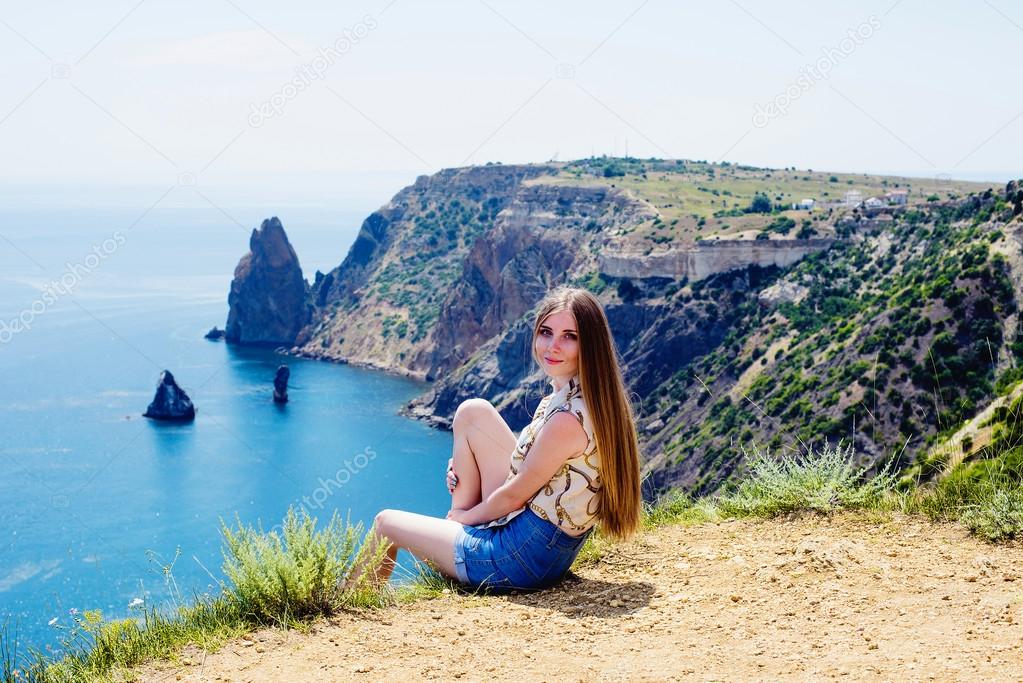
x,y
226,49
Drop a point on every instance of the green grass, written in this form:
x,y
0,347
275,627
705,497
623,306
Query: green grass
x,y
818,481
826,481
294,575
998,516
679,508
717,193
984,491
95,649
986,496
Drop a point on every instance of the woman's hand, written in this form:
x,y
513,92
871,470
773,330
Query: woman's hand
x,y
457,515
452,478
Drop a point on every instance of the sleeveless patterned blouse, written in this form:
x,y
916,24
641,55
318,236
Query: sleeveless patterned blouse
x,y
571,498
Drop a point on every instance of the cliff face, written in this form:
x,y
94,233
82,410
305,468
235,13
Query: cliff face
x,y
709,257
724,343
880,341
269,297
379,307
453,260
544,237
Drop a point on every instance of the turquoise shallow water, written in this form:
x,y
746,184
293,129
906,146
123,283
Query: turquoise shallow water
x,y
96,500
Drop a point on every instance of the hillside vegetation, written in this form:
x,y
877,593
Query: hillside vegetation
x,y
891,339
701,200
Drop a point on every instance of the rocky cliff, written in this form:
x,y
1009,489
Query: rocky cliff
x,y
269,299
381,305
780,341
545,236
707,258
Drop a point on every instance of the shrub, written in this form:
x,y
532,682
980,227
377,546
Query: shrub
x,y
806,231
613,170
821,481
781,224
761,204
998,516
293,574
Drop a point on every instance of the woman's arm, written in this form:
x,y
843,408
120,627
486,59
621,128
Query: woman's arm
x,y
560,439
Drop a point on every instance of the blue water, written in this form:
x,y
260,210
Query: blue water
x,y
96,500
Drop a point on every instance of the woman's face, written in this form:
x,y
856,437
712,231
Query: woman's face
x,y
557,347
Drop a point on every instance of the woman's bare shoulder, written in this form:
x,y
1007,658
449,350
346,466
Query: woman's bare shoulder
x,y
565,427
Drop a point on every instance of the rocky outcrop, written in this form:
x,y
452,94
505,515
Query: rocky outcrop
x,y
708,257
378,308
281,384
783,292
441,282
171,402
215,334
269,298
1014,196
546,234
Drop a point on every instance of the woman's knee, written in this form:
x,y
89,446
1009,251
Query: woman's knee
x,y
471,407
384,524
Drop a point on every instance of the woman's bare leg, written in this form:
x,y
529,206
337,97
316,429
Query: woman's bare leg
x,y
481,456
481,453
430,539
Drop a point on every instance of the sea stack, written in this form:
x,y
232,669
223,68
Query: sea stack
x,y
215,334
171,402
281,384
269,298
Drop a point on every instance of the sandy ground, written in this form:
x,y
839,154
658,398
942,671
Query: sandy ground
x,y
803,600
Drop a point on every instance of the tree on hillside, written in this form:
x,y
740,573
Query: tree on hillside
x,y
761,204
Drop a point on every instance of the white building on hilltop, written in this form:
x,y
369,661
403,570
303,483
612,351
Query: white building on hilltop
x,y
897,197
853,199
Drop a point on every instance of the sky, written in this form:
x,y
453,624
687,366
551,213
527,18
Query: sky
x,y
251,103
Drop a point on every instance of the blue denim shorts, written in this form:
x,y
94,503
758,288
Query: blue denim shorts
x,y
527,553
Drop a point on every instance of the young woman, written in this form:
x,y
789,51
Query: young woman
x,y
522,508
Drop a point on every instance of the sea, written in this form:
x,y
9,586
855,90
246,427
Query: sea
x,y
102,509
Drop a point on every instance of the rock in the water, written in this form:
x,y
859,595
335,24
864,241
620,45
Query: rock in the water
x,y
281,384
215,334
269,298
171,402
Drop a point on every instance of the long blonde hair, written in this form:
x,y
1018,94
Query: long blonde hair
x,y
608,405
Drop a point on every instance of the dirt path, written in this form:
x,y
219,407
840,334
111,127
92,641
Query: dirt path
x,y
802,600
